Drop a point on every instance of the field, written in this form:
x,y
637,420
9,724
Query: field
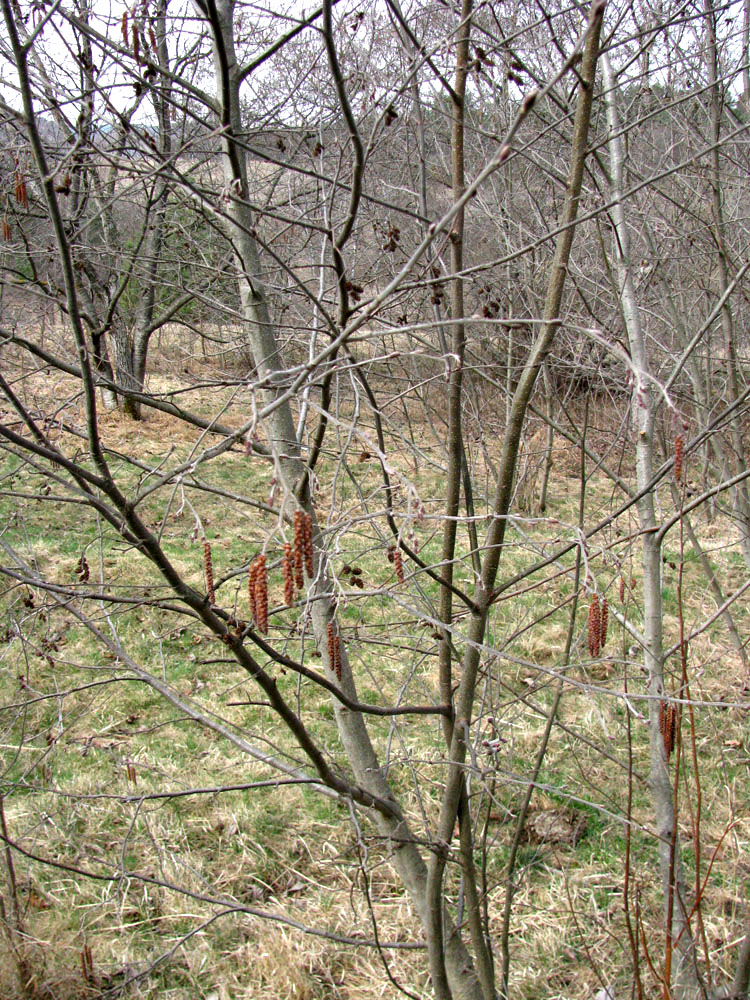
x,y
158,854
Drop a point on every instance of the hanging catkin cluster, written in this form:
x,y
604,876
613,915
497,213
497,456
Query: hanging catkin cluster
x,y
679,451
257,585
667,726
597,624
209,571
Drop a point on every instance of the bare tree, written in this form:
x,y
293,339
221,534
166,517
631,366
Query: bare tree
x,y
400,245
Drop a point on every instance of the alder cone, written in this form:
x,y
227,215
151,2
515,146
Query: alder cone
x,y
595,625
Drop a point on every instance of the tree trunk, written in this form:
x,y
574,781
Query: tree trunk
x,y
673,882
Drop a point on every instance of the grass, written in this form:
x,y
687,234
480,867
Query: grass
x,y
84,743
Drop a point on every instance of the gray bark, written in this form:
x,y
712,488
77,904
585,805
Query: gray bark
x,y
673,883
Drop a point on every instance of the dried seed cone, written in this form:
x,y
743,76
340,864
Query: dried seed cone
x,y
307,526
82,569
299,548
209,571
287,569
398,564
679,450
603,623
261,595
595,623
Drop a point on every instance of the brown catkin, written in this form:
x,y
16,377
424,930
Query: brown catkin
x,y
261,595
667,726
299,548
209,570
337,656
251,575
7,231
671,729
603,622
21,191
622,589
679,451
595,621
331,646
398,564
307,529
287,569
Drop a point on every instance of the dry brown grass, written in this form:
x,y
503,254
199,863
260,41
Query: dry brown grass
x,y
285,854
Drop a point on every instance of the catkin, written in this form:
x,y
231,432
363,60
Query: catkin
x,y
398,565
667,726
337,657
251,575
679,451
299,548
209,570
334,651
6,231
595,621
261,595
287,569
622,589
603,622
307,528
21,191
